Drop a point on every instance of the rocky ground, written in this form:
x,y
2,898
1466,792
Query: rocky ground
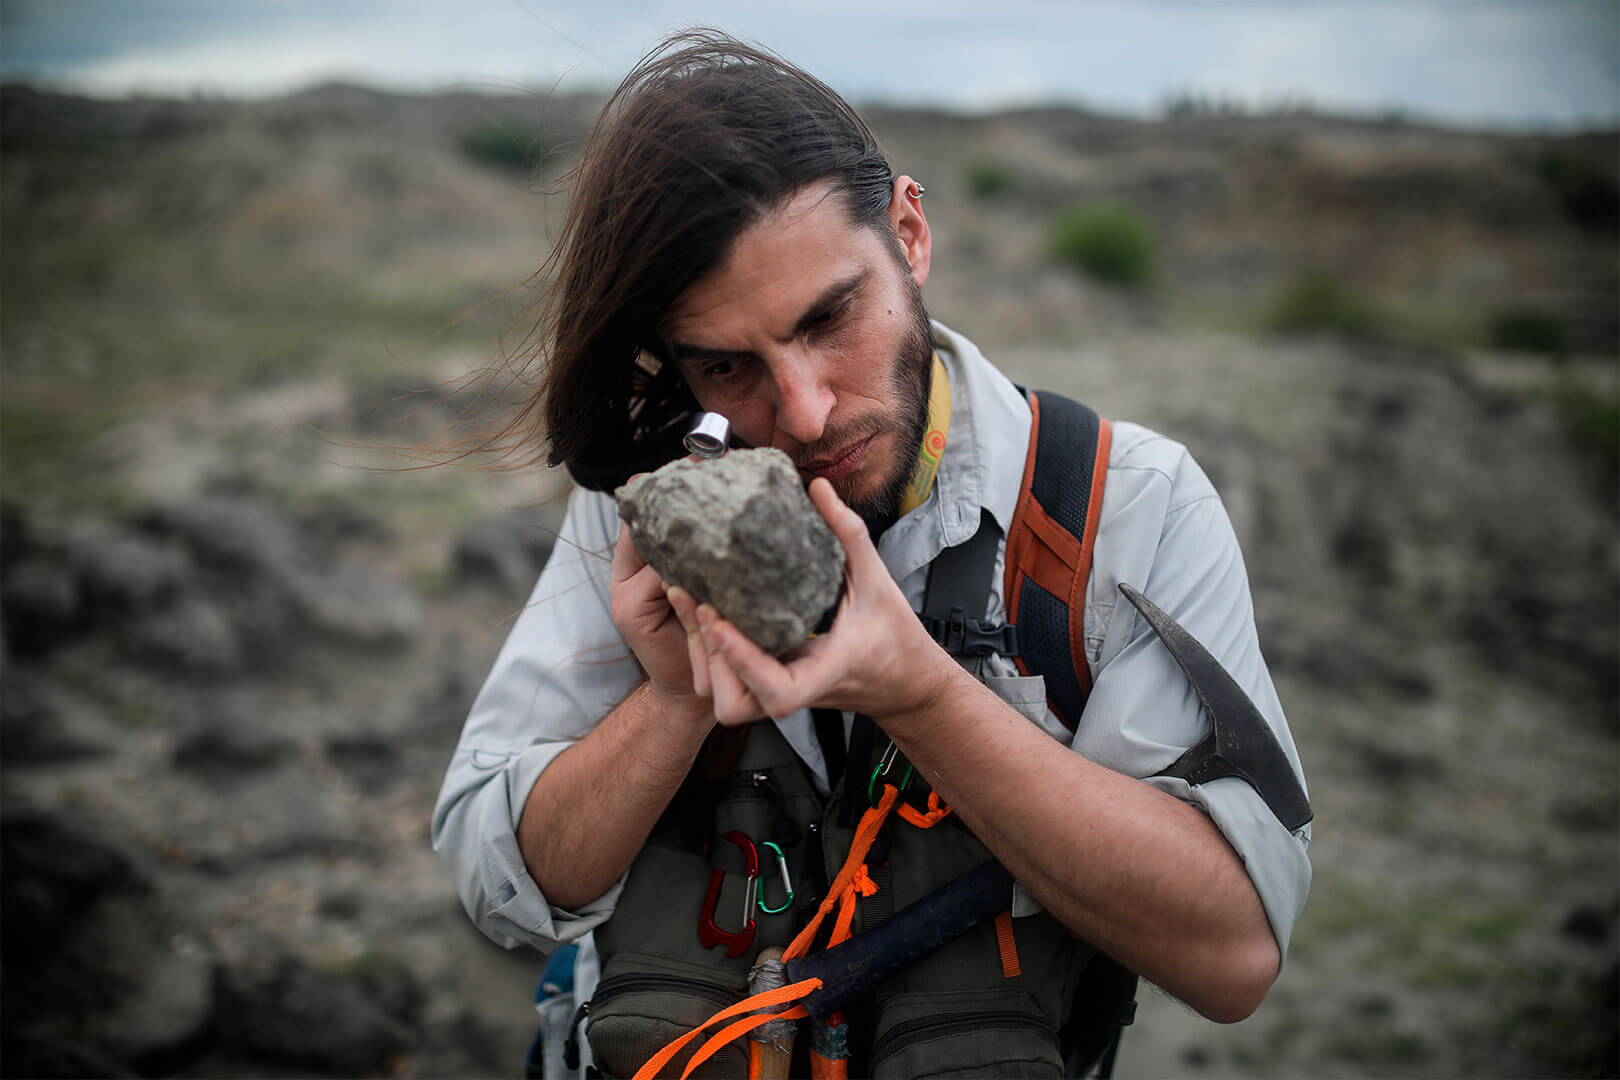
x,y
241,630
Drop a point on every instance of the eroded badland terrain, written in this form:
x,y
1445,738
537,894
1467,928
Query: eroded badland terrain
x,y
241,630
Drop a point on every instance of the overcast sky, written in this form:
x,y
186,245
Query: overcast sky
x,y
1501,63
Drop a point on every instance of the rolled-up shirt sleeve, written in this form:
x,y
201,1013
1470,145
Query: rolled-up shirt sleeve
x,y
563,668
1167,533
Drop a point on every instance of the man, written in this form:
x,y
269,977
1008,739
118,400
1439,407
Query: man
x,y
738,243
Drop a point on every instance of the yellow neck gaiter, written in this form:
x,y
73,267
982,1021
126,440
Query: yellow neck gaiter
x,y
933,443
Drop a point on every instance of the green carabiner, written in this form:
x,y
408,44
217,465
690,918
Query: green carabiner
x,y
882,770
787,882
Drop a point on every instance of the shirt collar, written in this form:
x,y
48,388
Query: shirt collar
x,y
983,463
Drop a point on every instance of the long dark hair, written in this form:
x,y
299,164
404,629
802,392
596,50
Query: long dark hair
x,y
703,138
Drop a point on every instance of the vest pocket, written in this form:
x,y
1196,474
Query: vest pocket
x,y
645,1002
999,1032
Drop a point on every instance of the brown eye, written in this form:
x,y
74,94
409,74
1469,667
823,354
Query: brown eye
x,y
827,318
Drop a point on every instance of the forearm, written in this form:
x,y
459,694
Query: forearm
x,y
592,809
1136,872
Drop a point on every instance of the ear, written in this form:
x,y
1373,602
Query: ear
x,y
906,215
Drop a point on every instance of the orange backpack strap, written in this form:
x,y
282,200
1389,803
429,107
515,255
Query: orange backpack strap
x,y
1048,559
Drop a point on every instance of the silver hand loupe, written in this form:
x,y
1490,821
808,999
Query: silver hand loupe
x,y
709,435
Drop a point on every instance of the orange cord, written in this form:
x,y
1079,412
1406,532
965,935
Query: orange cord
x,y
782,995
937,812
865,833
853,881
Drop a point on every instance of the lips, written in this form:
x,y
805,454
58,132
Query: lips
x,y
845,463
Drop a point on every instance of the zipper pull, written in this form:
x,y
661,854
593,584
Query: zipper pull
x,y
571,1044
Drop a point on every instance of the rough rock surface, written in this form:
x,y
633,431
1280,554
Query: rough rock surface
x,y
740,533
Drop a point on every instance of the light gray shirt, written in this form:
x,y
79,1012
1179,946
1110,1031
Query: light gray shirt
x,y
1162,529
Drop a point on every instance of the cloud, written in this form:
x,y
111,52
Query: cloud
x,y
1548,62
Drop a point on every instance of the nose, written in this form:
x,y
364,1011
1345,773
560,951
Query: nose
x,y
803,399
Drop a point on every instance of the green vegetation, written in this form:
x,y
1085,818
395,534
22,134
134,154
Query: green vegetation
x,y
511,145
1321,302
988,178
1108,241
1317,302
1591,418
1526,330
1440,940
1381,1046
1586,185
45,444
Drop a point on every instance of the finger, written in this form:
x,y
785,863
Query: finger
x,y
637,592
734,703
627,561
686,611
773,686
847,525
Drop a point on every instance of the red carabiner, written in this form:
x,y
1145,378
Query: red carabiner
x,y
710,935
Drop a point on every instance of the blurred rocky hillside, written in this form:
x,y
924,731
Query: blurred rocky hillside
x,y
243,620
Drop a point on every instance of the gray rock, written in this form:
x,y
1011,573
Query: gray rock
x,y
339,521
223,749
41,724
370,760
508,549
126,570
27,1055
442,706
42,604
270,579
234,533
55,870
166,1004
300,1016
359,606
192,635
740,533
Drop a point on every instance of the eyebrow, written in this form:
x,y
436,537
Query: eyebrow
x,y
830,298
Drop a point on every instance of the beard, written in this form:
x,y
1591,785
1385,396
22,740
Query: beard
x,y
911,383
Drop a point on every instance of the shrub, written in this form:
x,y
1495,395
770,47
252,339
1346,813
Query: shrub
x,y
987,178
1109,242
1321,302
513,146
1523,330
1585,185
1591,418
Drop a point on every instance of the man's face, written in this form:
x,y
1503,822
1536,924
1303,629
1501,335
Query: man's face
x,y
811,337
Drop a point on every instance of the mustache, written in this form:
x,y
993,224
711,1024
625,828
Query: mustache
x,y
835,443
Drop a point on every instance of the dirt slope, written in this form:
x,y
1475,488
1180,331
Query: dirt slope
x,y
241,633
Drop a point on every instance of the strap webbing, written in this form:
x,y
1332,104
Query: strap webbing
x,y
830,734
962,575
856,766
1007,943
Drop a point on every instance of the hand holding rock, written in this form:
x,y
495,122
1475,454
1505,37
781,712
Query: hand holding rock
x,y
739,533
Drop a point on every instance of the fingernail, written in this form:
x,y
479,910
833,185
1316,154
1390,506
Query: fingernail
x,y
705,616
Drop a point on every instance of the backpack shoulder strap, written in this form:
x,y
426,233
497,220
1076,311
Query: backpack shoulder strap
x,y
1048,559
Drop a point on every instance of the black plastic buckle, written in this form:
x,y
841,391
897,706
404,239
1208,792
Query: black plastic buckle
x,y
962,636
